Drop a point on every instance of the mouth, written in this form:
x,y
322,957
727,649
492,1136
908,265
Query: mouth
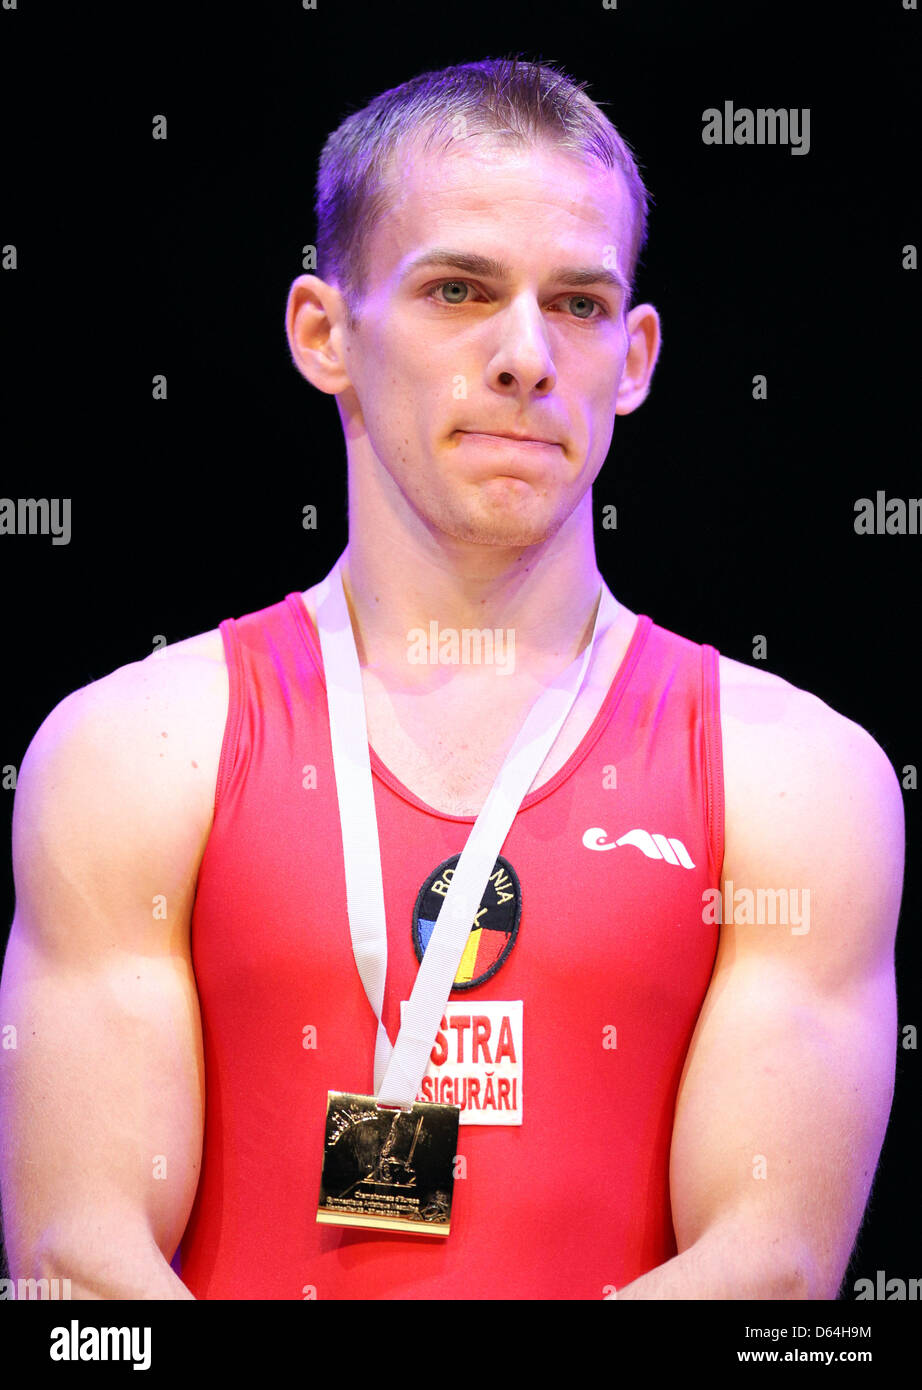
x,y
507,441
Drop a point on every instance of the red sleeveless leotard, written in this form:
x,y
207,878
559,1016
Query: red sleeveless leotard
x,y
611,961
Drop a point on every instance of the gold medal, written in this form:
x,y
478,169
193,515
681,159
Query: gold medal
x,y
388,1169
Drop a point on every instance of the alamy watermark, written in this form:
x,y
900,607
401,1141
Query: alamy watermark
x,y
87,1343
887,1289
762,126
888,516
31,516
30,1289
757,907
471,646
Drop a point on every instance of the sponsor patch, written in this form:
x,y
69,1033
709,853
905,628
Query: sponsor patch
x,y
495,926
476,1061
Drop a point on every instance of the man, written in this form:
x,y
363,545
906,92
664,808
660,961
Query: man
x,y
695,1098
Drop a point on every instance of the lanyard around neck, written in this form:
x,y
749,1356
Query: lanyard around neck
x,y
398,1071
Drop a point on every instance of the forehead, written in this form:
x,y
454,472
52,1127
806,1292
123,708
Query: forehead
x,y
526,205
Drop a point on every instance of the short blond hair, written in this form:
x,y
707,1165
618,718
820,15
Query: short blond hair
x,y
531,103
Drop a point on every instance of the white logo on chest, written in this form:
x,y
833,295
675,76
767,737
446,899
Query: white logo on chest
x,y
653,846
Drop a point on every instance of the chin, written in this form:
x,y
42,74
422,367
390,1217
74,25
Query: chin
x,y
503,531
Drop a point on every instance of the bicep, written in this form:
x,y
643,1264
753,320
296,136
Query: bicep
x,y
101,1091
787,1086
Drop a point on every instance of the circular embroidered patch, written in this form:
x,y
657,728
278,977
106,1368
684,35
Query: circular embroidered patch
x,y
495,927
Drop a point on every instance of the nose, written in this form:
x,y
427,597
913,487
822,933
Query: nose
x,y
522,362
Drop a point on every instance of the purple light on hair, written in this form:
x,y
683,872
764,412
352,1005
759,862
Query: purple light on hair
x,y
527,102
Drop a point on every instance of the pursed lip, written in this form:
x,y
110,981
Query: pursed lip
x,y
509,434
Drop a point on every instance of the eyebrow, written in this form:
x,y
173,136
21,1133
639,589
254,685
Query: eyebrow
x,y
474,264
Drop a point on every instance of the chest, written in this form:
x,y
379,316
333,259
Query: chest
x,y
447,749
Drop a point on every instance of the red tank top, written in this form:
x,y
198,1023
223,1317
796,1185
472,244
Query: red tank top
x,y
611,962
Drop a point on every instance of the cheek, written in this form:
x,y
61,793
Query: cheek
x,y
405,381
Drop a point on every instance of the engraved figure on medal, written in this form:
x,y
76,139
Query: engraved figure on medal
x,y
388,1169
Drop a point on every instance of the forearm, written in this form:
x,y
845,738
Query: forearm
x,y
732,1263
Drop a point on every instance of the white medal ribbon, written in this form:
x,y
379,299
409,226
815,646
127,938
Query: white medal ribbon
x,y
398,1071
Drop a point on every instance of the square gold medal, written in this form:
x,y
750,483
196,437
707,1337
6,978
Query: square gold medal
x,y
388,1170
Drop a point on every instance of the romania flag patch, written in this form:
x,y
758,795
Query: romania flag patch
x,y
494,930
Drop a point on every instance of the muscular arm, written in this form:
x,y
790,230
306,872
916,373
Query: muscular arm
x,y
101,1098
787,1087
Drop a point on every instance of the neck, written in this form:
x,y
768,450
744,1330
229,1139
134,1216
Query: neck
x,y
545,594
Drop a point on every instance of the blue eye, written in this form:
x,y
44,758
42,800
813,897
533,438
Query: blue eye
x,y
453,284
465,285
577,298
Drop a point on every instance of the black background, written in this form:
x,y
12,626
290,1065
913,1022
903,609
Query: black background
x,y
735,516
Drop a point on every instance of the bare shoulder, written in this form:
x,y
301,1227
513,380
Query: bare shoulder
x,y
811,799
183,687
777,730
187,685
150,729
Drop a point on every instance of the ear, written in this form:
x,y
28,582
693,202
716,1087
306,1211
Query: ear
x,y
643,349
315,320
